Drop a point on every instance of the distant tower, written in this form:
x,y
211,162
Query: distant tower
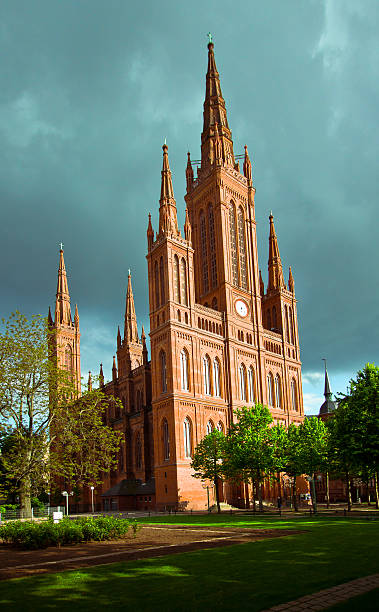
x,y
67,340
328,406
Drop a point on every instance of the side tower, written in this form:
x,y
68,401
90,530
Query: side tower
x,y
67,334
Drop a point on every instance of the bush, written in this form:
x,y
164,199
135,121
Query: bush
x,y
31,535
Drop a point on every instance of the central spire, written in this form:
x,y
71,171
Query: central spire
x,y
168,221
62,301
275,270
130,329
216,139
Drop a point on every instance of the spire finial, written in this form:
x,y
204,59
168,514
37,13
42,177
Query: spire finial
x,y
210,41
61,245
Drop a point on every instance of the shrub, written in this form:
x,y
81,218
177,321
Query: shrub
x,y
31,535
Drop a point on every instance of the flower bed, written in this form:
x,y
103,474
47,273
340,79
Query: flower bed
x,y
32,535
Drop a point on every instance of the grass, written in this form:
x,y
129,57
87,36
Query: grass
x,y
251,576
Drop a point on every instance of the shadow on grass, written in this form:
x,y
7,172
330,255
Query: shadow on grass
x,y
251,576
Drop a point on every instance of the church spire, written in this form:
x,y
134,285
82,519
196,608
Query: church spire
x,y
216,139
130,328
168,221
327,390
328,406
275,271
189,173
101,376
187,228
62,301
291,282
247,166
150,234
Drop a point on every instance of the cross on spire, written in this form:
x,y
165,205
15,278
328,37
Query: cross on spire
x,y
61,246
209,37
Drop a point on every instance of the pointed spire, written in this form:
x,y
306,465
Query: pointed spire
x,y
189,173
89,384
327,390
329,405
187,228
216,138
130,327
118,337
261,284
76,317
101,376
247,166
49,318
291,282
168,221
114,369
144,349
150,234
275,271
62,302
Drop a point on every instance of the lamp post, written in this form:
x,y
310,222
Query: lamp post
x,y
207,488
93,507
66,494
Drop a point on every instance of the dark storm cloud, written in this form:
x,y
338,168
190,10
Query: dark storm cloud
x,y
89,90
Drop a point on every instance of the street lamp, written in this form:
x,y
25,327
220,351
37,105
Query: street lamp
x,y
66,494
93,507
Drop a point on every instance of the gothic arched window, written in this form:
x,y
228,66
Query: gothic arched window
x,y
233,244
187,431
291,326
242,377
161,276
294,394
242,248
163,368
183,282
216,378
204,253
206,375
287,324
270,390
250,379
156,280
212,245
184,369
138,451
220,426
274,318
278,393
210,427
68,358
165,440
176,279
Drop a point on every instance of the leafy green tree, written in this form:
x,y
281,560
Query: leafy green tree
x,y
313,442
249,449
208,460
37,403
293,459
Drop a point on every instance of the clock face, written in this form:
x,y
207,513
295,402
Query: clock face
x,y
241,308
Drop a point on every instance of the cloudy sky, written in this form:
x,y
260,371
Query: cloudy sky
x,y
89,89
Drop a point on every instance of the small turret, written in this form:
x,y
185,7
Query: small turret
x,y
247,166
261,284
130,327
168,221
291,282
275,270
76,317
114,369
118,337
101,376
144,347
50,319
150,234
89,384
187,228
189,173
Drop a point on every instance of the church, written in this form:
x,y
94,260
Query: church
x,y
219,339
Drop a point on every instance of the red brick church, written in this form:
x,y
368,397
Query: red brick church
x,y
219,339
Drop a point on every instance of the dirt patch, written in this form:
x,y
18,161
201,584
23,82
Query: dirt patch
x,y
151,541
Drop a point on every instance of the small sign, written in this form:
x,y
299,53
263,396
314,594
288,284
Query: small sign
x,y
57,516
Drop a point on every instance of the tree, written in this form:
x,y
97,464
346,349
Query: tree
x,y
292,458
208,460
249,449
313,442
37,402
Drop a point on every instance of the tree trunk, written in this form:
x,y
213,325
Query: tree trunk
x,y
25,498
327,489
217,495
260,496
376,490
294,496
313,494
254,495
348,491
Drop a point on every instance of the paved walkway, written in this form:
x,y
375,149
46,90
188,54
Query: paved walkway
x,y
330,597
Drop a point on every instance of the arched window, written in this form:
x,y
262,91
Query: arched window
x,y
165,440
183,282
242,376
176,279
216,378
204,253
68,358
220,426
278,393
294,394
212,246
268,318
187,431
206,375
250,379
162,358
291,324
161,276
138,451
274,318
184,369
210,427
233,244
242,248
287,324
156,277
270,390
214,304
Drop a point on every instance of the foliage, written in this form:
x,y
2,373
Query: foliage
x,y
313,446
208,460
32,535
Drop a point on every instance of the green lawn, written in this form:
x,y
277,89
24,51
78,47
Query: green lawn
x,y
249,576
